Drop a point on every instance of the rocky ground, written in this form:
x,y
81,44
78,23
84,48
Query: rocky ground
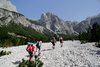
x,y
72,54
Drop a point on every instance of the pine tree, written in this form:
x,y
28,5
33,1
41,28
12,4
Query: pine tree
x,y
95,33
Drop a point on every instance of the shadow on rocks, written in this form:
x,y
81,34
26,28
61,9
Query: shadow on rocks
x,y
17,62
27,55
98,52
46,49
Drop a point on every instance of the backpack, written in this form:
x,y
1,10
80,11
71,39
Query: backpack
x,y
30,43
38,44
53,40
61,39
29,48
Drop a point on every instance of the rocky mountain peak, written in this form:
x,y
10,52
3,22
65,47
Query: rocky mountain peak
x,y
7,5
55,24
48,16
88,22
98,14
7,17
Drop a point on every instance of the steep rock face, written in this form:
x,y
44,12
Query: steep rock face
x,y
7,5
82,26
7,16
74,23
55,24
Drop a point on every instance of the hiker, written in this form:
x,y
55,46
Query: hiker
x,y
61,41
30,48
38,46
53,41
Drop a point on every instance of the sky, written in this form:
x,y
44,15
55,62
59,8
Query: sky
x,y
67,10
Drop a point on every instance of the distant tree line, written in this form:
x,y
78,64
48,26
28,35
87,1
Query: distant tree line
x,y
91,35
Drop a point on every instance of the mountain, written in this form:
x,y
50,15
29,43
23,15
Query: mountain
x,y
6,17
7,5
16,29
56,24
48,23
88,22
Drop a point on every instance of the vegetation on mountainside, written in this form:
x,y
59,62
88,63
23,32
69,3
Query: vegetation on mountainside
x,y
28,35
34,22
15,34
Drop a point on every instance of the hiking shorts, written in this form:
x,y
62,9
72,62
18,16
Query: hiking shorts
x,y
38,48
53,43
61,41
30,53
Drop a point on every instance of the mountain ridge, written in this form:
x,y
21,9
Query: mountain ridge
x,y
7,5
55,24
88,22
48,21
8,16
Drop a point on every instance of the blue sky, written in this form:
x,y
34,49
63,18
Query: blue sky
x,y
68,10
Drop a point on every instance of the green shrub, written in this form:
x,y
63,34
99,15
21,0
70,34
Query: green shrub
x,y
36,63
97,44
9,52
4,53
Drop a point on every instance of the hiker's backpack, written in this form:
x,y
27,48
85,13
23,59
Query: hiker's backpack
x,y
61,39
53,40
38,44
30,43
29,48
